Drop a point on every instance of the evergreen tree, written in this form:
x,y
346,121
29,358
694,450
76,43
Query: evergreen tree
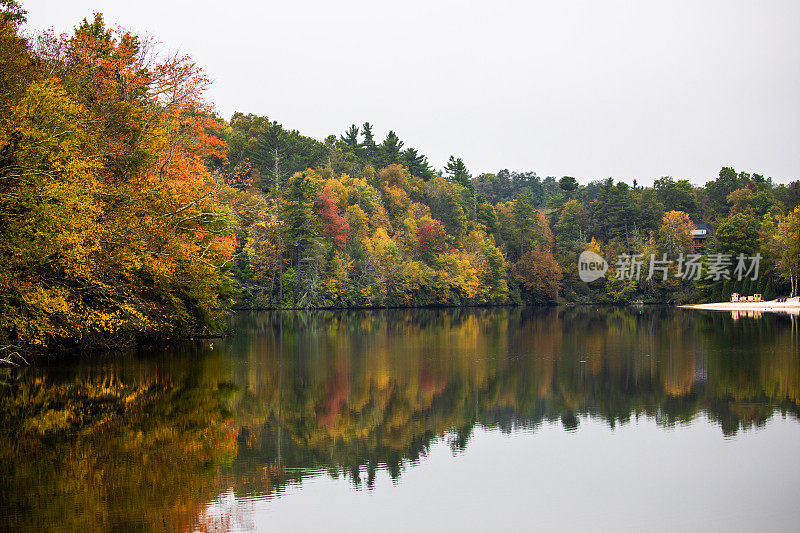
x,y
570,227
529,183
389,152
274,151
297,215
613,211
417,164
552,194
350,139
270,156
457,172
569,185
369,149
720,188
648,210
527,221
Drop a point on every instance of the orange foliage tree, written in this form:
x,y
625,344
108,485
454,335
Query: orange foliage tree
x,y
132,237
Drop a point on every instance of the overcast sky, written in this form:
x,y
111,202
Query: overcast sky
x,y
592,89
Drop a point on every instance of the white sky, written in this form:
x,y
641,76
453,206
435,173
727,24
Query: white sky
x,y
628,89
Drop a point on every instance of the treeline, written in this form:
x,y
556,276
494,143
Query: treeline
x,y
743,214
128,209
353,222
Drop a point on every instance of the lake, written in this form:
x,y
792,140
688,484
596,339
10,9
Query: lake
x,y
571,419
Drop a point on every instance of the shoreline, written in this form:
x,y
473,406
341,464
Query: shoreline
x,y
790,307
29,354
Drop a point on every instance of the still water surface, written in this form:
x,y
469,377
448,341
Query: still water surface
x,y
558,420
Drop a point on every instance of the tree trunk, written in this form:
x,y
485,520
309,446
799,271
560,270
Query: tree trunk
x,y
474,203
280,266
280,240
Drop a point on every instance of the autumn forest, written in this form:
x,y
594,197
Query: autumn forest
x,y
130,210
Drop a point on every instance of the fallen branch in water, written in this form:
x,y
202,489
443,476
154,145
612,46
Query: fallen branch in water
x,y
7,355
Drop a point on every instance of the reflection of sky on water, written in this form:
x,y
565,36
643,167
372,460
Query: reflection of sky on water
x,y
636,477
471,418
736,315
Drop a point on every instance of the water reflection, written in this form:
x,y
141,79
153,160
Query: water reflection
x,y
145,440
791,313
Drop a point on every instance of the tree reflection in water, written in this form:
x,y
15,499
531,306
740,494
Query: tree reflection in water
x,y
145,440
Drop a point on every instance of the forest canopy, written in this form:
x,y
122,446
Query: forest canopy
x,y
129,209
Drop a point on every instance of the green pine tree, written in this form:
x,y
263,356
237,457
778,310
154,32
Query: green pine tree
x,y
389,152
457,172
369,150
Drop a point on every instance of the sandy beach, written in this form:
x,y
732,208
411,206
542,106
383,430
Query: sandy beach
x,y
791,306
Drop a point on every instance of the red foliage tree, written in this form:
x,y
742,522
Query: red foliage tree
x,y
431,239
335,226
